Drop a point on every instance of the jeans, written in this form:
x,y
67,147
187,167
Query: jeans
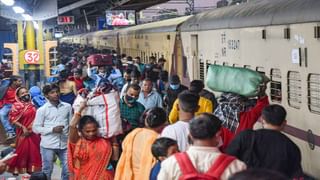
x,y
47,156
4,112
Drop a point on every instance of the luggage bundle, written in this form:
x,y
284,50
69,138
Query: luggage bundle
x,y
237,80
100,60
105,109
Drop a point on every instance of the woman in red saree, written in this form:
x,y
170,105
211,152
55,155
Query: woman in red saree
x,y
88,154
22,114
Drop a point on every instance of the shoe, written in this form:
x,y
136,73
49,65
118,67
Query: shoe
x,y
11,136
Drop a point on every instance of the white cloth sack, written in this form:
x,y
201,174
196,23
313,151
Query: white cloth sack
x,y
110,122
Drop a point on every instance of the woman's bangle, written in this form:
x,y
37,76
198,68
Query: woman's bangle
x,y
115,144
78,114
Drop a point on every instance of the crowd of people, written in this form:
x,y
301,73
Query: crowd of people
x,y
167,130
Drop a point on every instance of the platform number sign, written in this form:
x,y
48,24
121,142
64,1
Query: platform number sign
x,y
32,57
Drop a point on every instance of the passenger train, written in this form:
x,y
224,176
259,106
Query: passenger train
x,y
279,38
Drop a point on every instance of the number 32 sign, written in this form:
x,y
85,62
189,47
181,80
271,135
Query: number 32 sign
x,y
32,57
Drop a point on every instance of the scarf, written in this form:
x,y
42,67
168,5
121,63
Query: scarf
x,y
229,109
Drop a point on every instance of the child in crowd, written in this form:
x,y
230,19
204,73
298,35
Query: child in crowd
x,y
161,149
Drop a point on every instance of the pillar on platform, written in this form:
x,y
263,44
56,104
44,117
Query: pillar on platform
x,y
20,47
30,36
40,47
31,70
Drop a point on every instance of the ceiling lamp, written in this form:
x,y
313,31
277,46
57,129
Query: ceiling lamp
x,y
27,17
18,9
8,2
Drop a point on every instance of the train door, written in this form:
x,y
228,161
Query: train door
x,y
118,44
194,56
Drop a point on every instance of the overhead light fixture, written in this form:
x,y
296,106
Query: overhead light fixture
x,y
27,17
8,2
35,25
18,9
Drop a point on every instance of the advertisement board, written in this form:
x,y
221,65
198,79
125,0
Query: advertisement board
x,y
120,18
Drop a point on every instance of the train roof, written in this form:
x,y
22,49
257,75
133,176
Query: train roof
x,y
169,25
256,13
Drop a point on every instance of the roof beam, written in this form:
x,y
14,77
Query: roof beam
x,y
75,5
139,5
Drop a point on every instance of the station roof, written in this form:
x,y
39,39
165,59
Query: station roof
x,y
137,4
46,9
255,14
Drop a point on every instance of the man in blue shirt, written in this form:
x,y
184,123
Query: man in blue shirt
x,y
148,97
52,123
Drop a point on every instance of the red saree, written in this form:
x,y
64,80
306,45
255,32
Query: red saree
x,y
88,160
28,159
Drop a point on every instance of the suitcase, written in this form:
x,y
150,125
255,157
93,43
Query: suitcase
x,y
100,60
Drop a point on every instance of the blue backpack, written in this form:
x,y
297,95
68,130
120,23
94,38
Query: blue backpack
x,y
37,98
39,101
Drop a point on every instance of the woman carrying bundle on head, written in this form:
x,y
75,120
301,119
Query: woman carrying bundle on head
x,y
88,154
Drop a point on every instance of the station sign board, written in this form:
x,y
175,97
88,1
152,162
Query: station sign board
x,y
32,57
65,20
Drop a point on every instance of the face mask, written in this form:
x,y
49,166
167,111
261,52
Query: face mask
x,y
174,86
130,99
25,98
101,74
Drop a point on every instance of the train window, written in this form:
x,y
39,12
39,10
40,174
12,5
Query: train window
x,y
247,66
260,70
287,33
275,85
317,32
314,93
185,67
264,34
294,89
208,65
201,71
144,57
